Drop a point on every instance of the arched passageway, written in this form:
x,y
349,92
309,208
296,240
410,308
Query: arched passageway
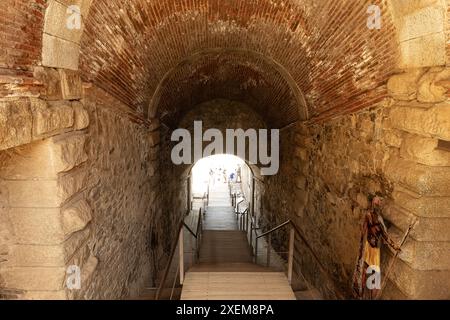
x,y
89,99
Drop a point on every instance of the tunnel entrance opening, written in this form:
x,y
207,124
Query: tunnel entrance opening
x,y
216,169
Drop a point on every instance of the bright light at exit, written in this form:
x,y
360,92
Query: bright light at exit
x,y
215,169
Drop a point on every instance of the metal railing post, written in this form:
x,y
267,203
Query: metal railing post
x,y
256,250
269,246
251,232
291,253
181,252
199,233
246,223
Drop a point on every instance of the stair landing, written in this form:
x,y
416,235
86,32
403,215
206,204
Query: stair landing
x,y
236,286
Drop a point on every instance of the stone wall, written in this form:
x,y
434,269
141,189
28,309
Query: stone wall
x,y
123,193
44,212
391,148
79,186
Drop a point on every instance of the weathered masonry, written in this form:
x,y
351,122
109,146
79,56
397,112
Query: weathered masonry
x,y
86,116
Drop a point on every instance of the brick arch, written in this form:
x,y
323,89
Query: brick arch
x,y
128,50
129,58
240,75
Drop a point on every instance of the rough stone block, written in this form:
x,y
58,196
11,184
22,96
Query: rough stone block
x,y
426,229
37,226
34,278
37,255
420,205
418,284
430,90
68,152
419,178
56,19
59,53
31,193
392,138
89,268
426,51
84,5
424,255
407,7
74,243
424,150
29,161
71,84
76,216
15,123
51,120
51,81
433,122
422,22
392,292
81,116
71,183
404,86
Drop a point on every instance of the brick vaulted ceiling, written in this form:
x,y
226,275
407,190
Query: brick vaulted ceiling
x,y
287,59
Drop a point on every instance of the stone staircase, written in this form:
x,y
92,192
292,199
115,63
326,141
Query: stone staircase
x,y
225,269
226,272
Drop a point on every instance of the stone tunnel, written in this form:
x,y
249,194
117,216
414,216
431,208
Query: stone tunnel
x,y
91,91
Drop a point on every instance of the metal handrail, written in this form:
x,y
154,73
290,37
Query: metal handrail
x,y
243,219
199,220
236,209
297,231
172,253
294,229
174,282
166,270
274,229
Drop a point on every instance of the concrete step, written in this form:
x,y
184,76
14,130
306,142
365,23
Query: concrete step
x,y
236,286
225,246
229,267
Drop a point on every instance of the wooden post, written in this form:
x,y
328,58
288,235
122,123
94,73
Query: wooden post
x,y
291,254
180,244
